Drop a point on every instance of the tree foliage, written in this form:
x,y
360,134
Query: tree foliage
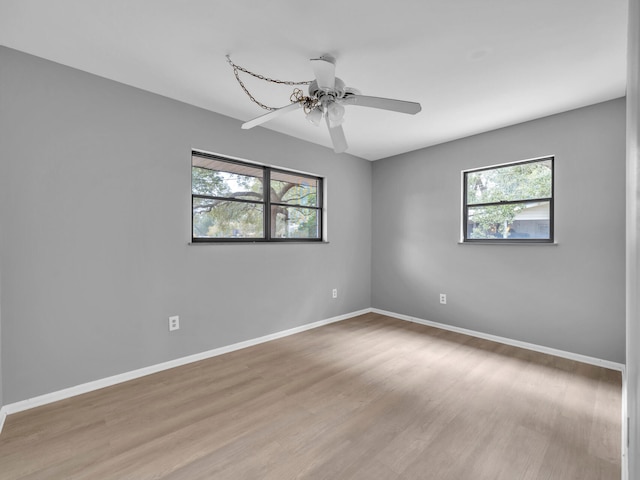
x,y
495,196
238,209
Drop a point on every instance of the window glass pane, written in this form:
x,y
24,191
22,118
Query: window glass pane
x,y
515,221
294,189
227,219
516,182
294,222
223,179
229,201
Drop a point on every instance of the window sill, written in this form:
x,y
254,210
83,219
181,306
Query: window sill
x,y
542,244
293,242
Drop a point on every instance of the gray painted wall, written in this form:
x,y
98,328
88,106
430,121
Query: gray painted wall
x,y
95,217
570,296
95,212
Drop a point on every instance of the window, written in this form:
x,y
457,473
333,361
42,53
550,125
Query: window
x,y
510,203
231,203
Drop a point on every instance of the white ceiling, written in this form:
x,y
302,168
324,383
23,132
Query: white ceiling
x,y
474,65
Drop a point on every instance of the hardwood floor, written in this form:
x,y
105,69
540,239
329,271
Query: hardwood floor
x,y
367,398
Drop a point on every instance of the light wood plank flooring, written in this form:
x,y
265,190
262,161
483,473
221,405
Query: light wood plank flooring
x,y
369,398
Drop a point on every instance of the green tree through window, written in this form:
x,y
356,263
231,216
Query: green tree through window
x,y
231,202
512,202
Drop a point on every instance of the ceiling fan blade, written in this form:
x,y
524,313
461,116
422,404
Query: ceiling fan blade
x,y
383,103
324,68
337,138
270,116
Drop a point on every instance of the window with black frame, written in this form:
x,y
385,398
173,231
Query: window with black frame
x,y
240,201
509,203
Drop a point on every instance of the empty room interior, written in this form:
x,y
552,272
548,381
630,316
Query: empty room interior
x,y
345,240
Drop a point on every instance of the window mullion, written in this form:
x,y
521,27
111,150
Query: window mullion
x,y
510,202
266,190
227,199
295,205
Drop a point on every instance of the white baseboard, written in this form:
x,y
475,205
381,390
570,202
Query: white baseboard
x,y
624,441
123,377
3,417
507,341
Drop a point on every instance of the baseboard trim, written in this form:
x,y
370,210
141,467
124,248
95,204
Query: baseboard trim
x,y
507,341
3,417
624,441
141,372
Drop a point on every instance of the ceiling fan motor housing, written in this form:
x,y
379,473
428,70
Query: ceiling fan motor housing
x,y
338,90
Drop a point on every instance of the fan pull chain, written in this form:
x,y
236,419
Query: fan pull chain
x,y
294,95
308,103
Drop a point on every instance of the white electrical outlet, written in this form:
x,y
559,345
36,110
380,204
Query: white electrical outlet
x,y
334,293
174,323
443,298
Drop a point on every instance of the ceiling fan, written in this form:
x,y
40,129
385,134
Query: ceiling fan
x,y
327,97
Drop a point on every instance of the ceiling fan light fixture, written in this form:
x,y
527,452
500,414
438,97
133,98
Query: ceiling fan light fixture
x,y
315,116
326,98
335,113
